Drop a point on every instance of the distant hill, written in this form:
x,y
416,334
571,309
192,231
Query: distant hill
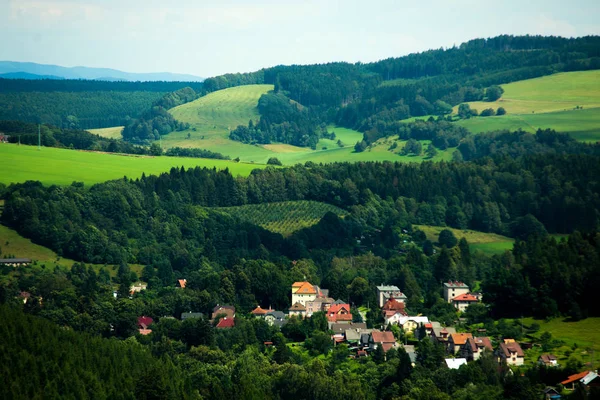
x,y
28,70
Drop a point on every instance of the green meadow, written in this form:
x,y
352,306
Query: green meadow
x,y
488,243
62,166
567,102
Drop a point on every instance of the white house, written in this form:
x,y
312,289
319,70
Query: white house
x,y
453,289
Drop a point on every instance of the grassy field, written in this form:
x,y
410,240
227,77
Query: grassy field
x,y
546,102
284,217
110,133
14,244
489,243
62,167
583,333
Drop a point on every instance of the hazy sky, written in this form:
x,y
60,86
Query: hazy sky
x,y
208,38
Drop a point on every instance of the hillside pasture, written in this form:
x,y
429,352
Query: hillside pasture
x,y
62,166
567,102
489,243
109,133
283,217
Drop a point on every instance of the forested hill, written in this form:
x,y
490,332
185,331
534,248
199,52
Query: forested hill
x,y
92,104
373,97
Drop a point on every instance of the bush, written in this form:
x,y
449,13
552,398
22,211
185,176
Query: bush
x,y
274,161
501,111
488,112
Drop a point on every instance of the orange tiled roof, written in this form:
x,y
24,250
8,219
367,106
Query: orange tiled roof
x,y
460,338
182,283
259,311
306,288
576,377
465,297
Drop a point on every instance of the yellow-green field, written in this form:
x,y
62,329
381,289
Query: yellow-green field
x,y
284,217
62,166
110,133
553,101
14,244
583,333
489,243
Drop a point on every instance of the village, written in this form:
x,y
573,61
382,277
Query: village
x,y
399,330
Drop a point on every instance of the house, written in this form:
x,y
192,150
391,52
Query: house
x,y
297,309
228,311
457,340
15,262
143,325
455,363
189,315
25,296
392,310
408,324
549,360
551,393
441,335
453,289
275,318
306,291
570,382
259,312
339,313
464,300
181,283
384,339
225,323
138,287
384,292
511,352
341,327
318,304
475,347
352,331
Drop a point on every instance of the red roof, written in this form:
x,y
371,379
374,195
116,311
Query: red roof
x,y
338,308
226,323
383,337
387,346
144,322
182,283
465,297
576,377
393,305
428,325
339,317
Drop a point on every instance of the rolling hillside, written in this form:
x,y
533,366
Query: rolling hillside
x,y
62,167
489,243
567,102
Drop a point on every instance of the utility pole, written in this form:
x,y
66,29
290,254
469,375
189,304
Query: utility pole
x,y
39,137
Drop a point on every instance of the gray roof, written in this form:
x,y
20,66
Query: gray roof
x,y
388,288
448,329
187,315
340,302
14,260
410,350
456,284
277,314
589,377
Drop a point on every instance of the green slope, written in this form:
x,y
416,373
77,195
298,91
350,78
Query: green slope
x,y
62,167
567,102
489,243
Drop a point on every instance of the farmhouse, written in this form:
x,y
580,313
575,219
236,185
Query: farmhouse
x,y
15,262
385,292
511,352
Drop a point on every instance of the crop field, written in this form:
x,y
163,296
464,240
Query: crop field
x,y
62,166
110,133
283,217
567,102
489,243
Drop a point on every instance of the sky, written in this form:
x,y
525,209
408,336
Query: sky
x,y
213,37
